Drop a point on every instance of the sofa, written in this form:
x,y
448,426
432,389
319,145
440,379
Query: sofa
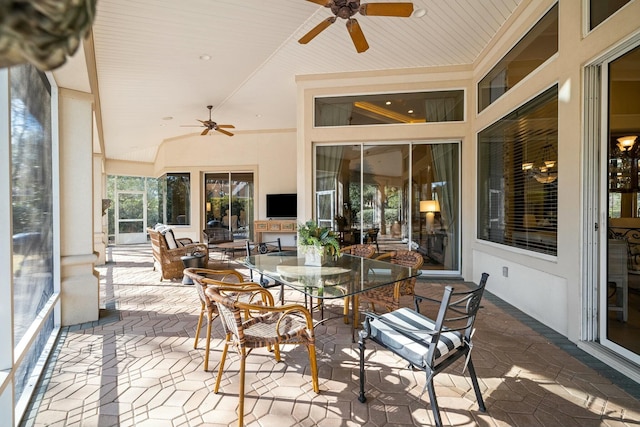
x,y
168,251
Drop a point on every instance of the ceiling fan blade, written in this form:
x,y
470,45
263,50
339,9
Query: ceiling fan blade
x,y
202,121
357,35
227,126
321,2
204,132
317,30
387,9
225,132
190,126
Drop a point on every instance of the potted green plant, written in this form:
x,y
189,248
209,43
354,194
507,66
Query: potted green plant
x,y
317,242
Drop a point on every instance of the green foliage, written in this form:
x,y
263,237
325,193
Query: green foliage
x,y
367,216
310,234
390,215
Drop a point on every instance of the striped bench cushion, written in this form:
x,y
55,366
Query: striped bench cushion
x,y
414,345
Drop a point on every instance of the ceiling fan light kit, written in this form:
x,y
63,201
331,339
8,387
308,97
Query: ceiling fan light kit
x,y
210,125
345,9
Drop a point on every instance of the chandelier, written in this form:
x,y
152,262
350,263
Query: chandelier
x,y
625,144
544,172
623,164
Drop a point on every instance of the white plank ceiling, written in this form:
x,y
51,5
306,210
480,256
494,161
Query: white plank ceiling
x,y
149,67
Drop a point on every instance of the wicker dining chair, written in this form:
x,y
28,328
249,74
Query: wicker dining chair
x,y
364,251
250,325
202,278
389,296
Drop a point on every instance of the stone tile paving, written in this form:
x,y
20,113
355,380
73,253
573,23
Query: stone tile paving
x,y
136,366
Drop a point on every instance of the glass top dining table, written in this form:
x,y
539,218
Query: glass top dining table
x,y
339,277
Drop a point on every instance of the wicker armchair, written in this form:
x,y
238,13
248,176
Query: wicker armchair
x,y
204,278
169,260
389,296
253,325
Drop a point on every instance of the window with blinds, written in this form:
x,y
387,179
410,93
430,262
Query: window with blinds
x,y
518,177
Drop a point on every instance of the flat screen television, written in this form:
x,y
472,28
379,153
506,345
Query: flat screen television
x,y
282,205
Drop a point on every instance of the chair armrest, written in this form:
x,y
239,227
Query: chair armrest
x,y
175,254
253,289
184,241
197,247
220,275
384,256
420,298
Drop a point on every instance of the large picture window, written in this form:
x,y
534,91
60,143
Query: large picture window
x,y
518,177
32,227
390,108
538,45
177,198
600,10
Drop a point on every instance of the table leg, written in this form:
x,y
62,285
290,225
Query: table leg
x,y
354,298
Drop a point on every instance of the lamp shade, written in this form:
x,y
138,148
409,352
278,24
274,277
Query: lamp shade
x,y
429,206
626,143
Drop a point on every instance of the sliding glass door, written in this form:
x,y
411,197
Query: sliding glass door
x,y
373,193
620,293
229,202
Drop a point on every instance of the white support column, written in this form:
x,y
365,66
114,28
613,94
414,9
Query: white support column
x,y
79,282
99,220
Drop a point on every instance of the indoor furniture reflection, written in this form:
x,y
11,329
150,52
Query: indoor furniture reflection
x,y
433,236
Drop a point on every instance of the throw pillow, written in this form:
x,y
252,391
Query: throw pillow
x,y
170,238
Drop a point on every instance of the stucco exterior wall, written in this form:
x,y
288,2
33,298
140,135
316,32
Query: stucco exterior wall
x,y
270,155
546,287
565,271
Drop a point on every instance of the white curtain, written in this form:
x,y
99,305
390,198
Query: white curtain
x,y
334,114
445,163
440,109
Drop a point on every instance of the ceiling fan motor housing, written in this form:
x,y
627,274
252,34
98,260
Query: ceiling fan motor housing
x,y
345,9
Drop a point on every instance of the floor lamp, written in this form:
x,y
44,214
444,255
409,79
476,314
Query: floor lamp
x,y
430,207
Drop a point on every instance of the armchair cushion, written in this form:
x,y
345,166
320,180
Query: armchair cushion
x,y
170,238
406,332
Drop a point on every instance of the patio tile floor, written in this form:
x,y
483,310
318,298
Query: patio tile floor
x,y
136,366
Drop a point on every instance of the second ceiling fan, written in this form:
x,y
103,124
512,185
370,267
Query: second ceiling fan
x,y
345,9
211,125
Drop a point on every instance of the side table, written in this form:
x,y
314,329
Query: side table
x,y
195,260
